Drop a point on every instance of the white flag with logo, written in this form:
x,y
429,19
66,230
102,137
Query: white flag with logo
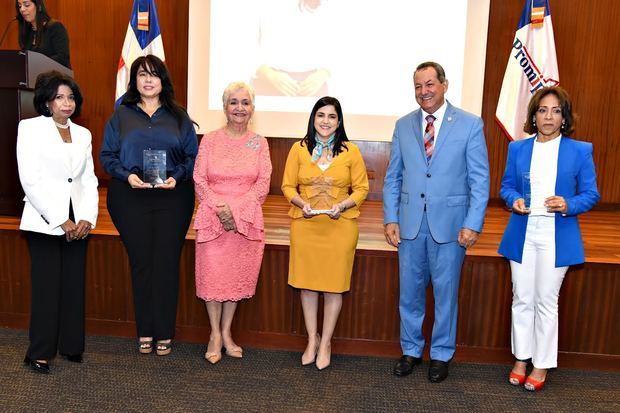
x,y
532,65
143,37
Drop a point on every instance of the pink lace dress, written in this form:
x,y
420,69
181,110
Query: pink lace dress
x,y
235,172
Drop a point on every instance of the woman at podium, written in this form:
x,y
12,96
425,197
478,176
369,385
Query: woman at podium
x,y
40,33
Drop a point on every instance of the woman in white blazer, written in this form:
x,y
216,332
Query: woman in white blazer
x,y
54,158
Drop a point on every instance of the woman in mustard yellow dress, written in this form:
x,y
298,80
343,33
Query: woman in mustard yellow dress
x,y
325,181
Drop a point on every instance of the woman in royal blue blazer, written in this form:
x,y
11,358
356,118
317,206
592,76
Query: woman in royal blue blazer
x,y
549,180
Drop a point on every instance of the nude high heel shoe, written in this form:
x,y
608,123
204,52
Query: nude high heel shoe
x,y
309,360
323,364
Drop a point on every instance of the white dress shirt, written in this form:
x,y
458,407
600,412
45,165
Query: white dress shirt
x,y
543,173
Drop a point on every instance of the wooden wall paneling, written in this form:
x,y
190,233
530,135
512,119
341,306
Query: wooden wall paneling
x,y
376,157
278,151
369,322
590,310
14,273
271,310
7,12
108,282
485,290
370,308
191,310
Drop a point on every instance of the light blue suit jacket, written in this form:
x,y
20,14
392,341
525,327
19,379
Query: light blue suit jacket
x,y
454,186
575,181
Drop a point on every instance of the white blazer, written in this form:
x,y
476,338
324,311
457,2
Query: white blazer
x,y
50,179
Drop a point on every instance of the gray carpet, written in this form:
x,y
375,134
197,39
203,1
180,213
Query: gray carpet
x,y
115,378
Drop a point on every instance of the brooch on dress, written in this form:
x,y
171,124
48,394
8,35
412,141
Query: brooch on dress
x,y
253,142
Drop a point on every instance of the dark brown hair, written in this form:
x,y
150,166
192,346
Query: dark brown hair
x,y
341,134
441,74
154,66
42,18
46,88
568,126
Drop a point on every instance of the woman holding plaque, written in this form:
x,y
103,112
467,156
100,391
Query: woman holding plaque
x,y
40,33
556,175
232,175
54,158
150,135
325,181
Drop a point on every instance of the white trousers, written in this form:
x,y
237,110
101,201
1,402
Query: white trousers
x,y
536,286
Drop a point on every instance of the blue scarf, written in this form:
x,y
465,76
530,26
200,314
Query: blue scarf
x,y
320,147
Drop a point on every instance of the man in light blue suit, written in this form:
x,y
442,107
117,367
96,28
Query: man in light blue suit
x,y
434,199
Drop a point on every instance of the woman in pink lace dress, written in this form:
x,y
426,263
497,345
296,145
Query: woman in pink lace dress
x,y
231,176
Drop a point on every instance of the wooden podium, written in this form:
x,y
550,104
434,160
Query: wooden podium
x,y
19,73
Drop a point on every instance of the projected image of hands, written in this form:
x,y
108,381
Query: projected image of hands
x,y
293,48
274,82
363,52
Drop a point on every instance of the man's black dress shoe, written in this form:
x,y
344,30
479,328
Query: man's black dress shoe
x,y
75,358
438,371
38,366
405,365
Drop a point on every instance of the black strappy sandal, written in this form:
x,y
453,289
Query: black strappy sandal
x,y
145,346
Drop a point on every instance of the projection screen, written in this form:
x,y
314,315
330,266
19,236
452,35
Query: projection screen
x,y
362,52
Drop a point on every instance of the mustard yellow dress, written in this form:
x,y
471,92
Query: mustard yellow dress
x,y
323,249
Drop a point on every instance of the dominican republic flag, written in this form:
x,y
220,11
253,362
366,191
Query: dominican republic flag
x,y
143,37
532,65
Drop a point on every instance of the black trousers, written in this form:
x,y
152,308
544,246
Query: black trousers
x,y
152,224
57,306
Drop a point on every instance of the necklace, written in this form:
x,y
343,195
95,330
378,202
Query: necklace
x,y
61,126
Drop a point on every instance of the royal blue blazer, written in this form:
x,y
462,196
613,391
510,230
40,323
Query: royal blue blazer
x,y
575,181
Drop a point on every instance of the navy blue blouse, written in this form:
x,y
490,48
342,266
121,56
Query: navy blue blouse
x,y
130,131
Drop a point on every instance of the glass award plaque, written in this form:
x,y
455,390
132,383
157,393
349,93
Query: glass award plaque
x,y
154,162
527,189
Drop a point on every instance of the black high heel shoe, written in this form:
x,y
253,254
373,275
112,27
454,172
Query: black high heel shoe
x,y
38,366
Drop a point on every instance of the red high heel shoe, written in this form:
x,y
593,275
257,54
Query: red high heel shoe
x,y
533,384
516,379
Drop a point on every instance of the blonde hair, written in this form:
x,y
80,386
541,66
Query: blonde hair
x,y
235,86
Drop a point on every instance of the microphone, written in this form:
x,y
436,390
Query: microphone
x,y
6,30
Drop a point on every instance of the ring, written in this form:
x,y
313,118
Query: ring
x,y
561,205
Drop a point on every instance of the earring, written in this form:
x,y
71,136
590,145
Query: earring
x,y
533,121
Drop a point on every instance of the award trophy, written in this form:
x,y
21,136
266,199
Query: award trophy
x,y
154,163
527,189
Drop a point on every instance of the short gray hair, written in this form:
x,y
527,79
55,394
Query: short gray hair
x,y
235,86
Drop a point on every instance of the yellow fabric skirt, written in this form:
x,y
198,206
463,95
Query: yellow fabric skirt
x,y
322,253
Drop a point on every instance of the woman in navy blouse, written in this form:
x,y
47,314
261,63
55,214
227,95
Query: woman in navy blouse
x,y
152,219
